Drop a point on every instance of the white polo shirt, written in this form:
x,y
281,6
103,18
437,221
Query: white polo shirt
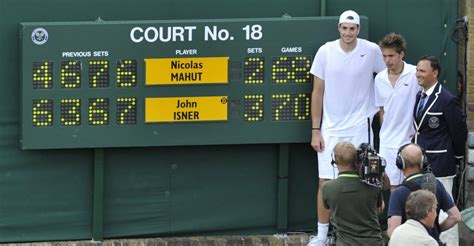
x,y
348,85
398,103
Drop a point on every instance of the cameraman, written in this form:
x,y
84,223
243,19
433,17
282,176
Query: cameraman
x,y
412,158
354,205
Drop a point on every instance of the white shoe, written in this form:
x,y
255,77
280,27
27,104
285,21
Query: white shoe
x,y
314,241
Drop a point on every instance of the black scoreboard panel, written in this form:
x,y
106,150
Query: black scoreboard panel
x,y
165,83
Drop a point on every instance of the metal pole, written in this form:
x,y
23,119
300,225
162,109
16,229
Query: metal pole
x,y
323,7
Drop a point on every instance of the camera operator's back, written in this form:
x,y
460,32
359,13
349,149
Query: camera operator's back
x,y
353,206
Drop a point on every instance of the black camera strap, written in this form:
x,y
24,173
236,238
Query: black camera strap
x,y
428,182
409,184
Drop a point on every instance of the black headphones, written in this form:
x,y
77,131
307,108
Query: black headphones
x,y
333,159
400,162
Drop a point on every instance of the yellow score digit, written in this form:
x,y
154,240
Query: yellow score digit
x,y
98,111
98,74
279,70
126,73
302,110
126,110
42,112
253,107
70,112
71,74
279,103
42,75
254,70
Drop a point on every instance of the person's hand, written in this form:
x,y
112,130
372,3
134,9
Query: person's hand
x,y
459,161
317,141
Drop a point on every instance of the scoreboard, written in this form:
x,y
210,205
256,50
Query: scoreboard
x,y
167,83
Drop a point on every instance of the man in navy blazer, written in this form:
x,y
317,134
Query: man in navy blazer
x,y
439,123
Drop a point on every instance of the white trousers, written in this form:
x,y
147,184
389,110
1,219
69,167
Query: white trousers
x,y
451,236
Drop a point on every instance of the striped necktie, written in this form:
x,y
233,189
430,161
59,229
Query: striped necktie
x,y
421,104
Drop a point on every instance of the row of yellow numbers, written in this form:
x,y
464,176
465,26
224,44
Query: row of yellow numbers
x,y
70,111
70,74
285,107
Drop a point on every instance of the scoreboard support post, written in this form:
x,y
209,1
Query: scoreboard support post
x,y
98,200
283,164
